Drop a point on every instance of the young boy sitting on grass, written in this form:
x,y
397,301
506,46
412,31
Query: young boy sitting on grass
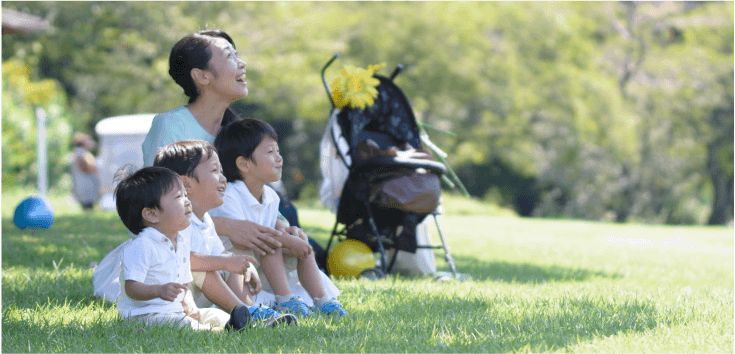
x,y
219,277
152,204
248,151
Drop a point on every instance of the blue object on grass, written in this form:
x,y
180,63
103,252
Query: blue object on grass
x,y
34,212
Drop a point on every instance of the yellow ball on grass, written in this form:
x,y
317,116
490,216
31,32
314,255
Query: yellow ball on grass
x,y
349,258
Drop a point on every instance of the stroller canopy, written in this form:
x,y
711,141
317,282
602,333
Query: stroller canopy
x,y
391,115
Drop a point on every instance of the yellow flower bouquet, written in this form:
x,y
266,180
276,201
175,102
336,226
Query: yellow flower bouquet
x,y
355,87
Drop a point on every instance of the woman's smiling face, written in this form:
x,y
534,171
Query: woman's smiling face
x,y
227,69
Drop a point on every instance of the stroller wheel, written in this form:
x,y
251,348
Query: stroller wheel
x,y
372,274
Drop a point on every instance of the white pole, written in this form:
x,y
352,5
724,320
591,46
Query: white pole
x,y
42,181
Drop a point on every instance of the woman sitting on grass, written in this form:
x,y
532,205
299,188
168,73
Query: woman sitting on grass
x,y
212,74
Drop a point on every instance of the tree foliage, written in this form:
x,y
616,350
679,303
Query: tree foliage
x,y
21,97
607,111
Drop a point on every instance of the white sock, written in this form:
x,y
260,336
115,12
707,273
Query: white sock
x,y
281,299
319,301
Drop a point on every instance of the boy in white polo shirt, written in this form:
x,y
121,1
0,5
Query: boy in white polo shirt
x,y
219,277
152,204
248,151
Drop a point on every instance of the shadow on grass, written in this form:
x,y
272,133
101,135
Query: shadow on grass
x,y
406,322
78,239
497,270
504,323
106,334
519,272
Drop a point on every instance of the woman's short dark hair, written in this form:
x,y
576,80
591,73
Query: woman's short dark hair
x,y
183,157
240,138
143,189
192,52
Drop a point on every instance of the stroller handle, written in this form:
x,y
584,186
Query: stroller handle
x,y
398,69
324,80
392,163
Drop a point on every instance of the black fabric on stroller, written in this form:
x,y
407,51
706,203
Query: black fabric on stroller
x,y
388,125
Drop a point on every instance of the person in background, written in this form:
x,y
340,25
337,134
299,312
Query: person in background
x,y
84,172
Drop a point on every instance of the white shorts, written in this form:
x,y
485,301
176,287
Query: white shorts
x,y
206,319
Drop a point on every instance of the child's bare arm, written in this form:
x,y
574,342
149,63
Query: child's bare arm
x,y
86,163
139,291
237,264
246,234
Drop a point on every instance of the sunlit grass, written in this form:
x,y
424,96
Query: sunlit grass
x,y
537,285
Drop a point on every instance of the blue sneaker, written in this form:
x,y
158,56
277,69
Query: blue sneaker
x,y
332,306
271,317
295,306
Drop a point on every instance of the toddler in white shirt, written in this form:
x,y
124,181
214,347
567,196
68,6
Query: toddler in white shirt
x,y
152,204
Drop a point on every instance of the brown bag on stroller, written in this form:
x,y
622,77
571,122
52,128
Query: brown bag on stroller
x,y
412,190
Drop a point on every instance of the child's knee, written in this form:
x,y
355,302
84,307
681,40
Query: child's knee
x,y
210,276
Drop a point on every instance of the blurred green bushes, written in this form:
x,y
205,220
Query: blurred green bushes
x,y
20,97
618,111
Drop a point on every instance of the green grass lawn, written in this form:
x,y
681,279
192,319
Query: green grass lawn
x,y
537,286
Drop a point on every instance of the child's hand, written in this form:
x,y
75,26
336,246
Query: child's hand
x,y
252,278
239,264
298,247
188,303
171,291
297,232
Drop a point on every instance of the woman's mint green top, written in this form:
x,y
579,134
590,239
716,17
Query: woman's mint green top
x,y
169,127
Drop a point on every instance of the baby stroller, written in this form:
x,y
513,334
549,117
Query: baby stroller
x,y
392,184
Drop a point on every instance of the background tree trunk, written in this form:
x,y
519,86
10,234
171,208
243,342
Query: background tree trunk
x,y
722,184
